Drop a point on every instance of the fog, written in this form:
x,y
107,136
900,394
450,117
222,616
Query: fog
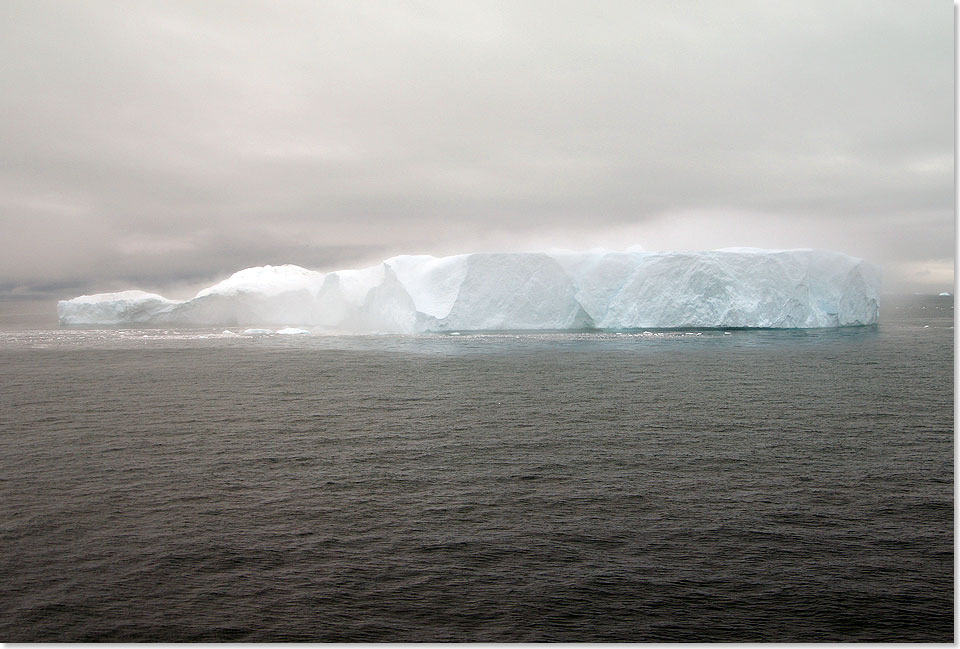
x,y
164,145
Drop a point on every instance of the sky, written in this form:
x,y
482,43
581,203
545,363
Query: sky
x,y
164,145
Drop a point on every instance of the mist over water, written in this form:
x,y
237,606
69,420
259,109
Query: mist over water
x,y
183,484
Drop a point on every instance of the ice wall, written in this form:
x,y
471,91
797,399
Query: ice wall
x,y
523,291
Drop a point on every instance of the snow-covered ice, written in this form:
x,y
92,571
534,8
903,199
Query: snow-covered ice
x,y
555,290
126,307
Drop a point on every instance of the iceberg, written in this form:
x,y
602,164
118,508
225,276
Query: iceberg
x,y
291,331
556,290
126,307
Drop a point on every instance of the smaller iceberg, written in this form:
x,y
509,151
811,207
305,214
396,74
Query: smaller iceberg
x,y
125,307
292,331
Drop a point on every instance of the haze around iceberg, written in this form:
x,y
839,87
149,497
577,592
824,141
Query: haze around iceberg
x,y
554,290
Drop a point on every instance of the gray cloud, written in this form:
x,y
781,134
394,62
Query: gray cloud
x,y
164,143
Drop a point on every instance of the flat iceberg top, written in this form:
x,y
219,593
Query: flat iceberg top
x,y
118,297
553,290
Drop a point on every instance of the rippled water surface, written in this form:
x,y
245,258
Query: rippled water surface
x,y
749,485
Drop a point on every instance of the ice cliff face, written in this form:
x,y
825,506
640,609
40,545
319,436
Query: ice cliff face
x,y
532,291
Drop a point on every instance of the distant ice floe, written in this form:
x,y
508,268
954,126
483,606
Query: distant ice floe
x,y
556,290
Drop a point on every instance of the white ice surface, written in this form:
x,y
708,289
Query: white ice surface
x,y
125,307
266,280
555,290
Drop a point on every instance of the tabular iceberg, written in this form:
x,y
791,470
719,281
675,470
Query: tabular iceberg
x,y
735,287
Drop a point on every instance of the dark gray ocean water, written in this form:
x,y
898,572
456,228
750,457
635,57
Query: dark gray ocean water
x,y
759,485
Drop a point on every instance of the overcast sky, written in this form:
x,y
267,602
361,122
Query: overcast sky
x,y
163,145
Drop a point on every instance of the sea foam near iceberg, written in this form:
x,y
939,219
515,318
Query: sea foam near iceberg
x,y
557,290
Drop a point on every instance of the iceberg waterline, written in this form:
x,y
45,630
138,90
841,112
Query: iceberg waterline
x,y
523,291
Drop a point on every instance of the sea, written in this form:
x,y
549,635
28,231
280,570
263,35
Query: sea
x,y
698,485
